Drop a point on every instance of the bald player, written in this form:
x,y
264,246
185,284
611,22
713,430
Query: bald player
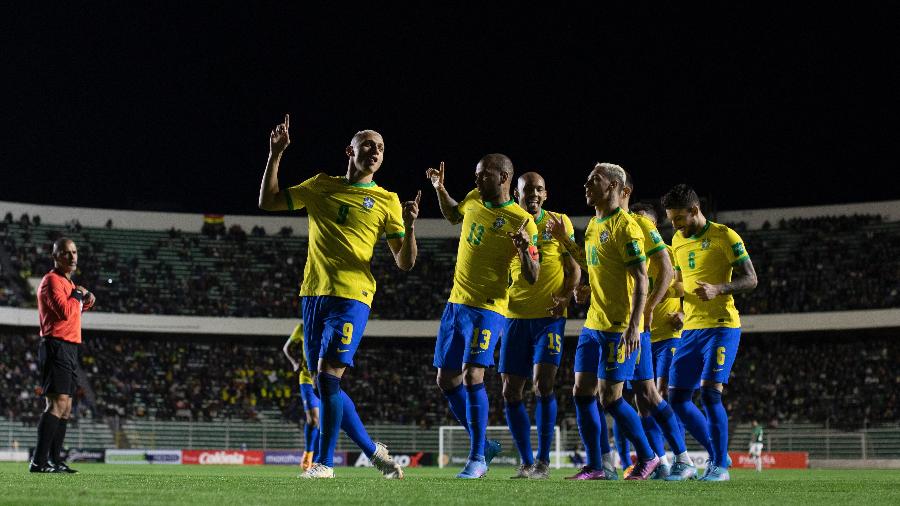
x,y
536,321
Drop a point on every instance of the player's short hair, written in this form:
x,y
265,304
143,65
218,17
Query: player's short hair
x,y
681,196
497,161
612,172
60,244
363,133
629,180
644,207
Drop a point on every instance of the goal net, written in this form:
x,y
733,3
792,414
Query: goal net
x,y
453,445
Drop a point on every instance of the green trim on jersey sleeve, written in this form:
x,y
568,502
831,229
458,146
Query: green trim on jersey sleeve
x,y
656,249
288,200
740,260
396,235
677,268
636,261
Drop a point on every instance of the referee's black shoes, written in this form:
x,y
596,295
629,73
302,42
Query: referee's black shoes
x,y
37,468
62,467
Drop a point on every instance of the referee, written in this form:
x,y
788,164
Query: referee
x,y
60,304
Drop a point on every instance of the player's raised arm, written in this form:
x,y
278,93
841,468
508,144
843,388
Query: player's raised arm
x,y
743,280
270,197
557,229
527,251
632,336
446,202
405,250
287,353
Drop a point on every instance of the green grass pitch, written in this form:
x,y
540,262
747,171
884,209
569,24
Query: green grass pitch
x,y
250,485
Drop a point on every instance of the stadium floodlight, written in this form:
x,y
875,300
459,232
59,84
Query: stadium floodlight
x,y
453,445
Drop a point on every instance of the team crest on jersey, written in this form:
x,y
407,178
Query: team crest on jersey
x,y
705,244
604,236
546,236
498,223
655,237
368,202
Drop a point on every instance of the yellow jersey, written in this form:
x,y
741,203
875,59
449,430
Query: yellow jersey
x,y
709,256
611,245
345,222
297,337
485,252
661,327
532,301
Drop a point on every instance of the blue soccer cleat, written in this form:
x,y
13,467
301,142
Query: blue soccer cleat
x,y
474,469
716,473
661,472
682,472
492,448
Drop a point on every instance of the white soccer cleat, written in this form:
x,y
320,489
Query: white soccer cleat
x,y
539,471
523,472
383,462
318,471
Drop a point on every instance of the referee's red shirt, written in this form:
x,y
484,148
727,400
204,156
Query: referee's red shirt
x,y
58,311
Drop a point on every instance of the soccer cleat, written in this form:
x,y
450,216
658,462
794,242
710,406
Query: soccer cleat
x,y
588,473
41,468
610,473
540,471
383,462
716,473
522,472
682,472
474,469
62,467
627,472
318,471
307,461
643,469
492,448
661,472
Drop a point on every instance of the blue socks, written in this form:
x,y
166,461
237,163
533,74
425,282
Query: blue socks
x,y
622,446
520,428
691,417
588,417
628,418
668,422
477,416
718,424
456,397
332,413
654,435
311,434
353,426
545,419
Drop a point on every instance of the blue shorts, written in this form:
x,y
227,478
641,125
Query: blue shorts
x,y
468,335
704,354
663,351
643,363
602,353
308,397
531,341
334,327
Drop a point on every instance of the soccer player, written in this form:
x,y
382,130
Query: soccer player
x,y
608,344
60,304
711,264
494,231
347,216
293,350
532,344
756,445
657,417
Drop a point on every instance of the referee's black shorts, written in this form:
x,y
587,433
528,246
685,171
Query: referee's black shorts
x,y
59,366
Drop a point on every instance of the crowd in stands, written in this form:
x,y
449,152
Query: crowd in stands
x,y
824,378
819,264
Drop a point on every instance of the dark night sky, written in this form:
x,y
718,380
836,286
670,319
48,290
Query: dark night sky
x,y
167,106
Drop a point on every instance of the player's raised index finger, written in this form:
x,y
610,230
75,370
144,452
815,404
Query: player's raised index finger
x,y
418,197
287,120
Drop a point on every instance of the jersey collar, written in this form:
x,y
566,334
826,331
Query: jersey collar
x,y
702,231
601,220
359,185
490,205
541,217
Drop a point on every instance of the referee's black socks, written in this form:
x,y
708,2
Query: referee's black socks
x,y
46,433
56,445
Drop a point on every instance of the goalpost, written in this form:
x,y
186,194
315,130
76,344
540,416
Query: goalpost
x,y
453,442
